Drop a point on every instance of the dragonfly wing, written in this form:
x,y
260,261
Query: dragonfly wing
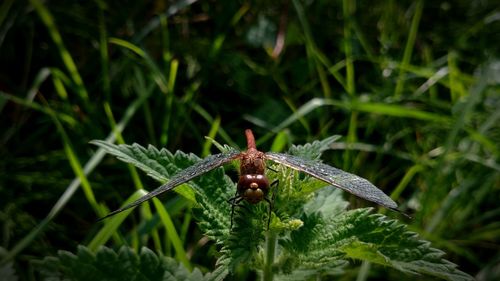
x,y
207,164
336,177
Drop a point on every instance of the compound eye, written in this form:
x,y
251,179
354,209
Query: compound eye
x,y
253,182
260,177
253,188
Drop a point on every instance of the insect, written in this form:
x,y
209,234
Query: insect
x,y
253,185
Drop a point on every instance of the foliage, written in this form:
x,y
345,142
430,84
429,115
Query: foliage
x,y
411,86
317,237
107,264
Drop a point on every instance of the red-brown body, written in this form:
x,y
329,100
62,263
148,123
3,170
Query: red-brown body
x,y
253,185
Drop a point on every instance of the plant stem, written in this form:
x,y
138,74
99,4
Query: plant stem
x,y
270,251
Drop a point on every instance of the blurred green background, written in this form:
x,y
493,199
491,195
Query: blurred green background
x,y
412,86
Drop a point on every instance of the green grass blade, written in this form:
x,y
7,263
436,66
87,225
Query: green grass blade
x,y
399,111
134,174
351,138
173,236
280,142
103,52
119,139
457,89
169,102
158,76
70,65
410,173
223,134
71,189
35,106
311,48
369,107
347,9
211,134
410,43
111,224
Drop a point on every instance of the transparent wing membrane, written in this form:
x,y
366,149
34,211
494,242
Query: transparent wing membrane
x,y
205,165
336,177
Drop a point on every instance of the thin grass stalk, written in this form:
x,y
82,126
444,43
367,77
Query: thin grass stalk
x,y
119,139
185,224
141,89
301,119
457,89
165,40
71,189
205,115
59,86
135,177
348,7
219,40
157,74
351,138
70,65
103,51
410,173
169,100
312,50
362,39
333,69
410,43
173,236
428,57
111,225
75,164
211,134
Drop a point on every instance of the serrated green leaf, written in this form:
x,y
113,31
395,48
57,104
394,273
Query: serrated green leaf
x,y
106,264
358,235
149,264
313,151
213,189
325,237
151,160
220,272
159,164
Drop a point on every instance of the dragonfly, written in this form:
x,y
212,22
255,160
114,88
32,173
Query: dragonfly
x,y
253,185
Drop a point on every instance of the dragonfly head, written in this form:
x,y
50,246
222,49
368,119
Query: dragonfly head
x,y
253,188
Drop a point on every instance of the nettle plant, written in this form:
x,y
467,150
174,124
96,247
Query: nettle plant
x,y
311,231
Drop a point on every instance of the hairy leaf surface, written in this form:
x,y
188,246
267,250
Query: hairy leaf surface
x,y
107,264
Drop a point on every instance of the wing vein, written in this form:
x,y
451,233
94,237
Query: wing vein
x,y
207,164
336,177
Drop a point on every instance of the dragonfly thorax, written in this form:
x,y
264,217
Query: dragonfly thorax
x,y
253,188
252,162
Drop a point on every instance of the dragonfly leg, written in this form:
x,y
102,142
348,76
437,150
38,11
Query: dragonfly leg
x,y
272,169
234,201
271,202
274,184
269,212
